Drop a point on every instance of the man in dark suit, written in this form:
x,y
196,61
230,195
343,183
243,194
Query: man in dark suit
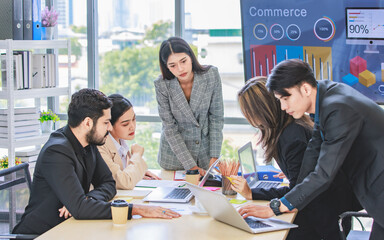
x,y
67,166
348,139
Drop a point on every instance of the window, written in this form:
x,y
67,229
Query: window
x,y
130,33
214,29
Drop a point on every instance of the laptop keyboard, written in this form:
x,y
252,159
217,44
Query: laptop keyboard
x,y
255,223
178,193
268,184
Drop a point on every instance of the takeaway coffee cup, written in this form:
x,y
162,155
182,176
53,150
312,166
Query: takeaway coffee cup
x,y
119,210
192,176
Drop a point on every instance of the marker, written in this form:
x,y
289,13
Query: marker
x,y
230,179
182,185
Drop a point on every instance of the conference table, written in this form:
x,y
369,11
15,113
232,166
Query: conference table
x,y
188,226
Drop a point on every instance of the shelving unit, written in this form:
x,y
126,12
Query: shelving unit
x,y
11,95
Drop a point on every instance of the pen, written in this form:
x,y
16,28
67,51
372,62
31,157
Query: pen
x,y
182,185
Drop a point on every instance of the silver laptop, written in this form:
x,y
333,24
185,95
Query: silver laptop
x,y
249,170
218,207
179,194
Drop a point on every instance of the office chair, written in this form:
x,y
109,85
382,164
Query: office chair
x,y
353,234
9,179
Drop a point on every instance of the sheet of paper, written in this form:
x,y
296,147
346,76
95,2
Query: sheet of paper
x,y
133,193
158,183
182,208
179,175
212,188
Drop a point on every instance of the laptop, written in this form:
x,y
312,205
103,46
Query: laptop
x,y
218,207
180,194
249,170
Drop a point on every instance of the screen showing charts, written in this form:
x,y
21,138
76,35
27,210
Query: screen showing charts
x,y
365,23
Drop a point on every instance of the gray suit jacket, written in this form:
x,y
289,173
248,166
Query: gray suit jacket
x,y
192,132
353,145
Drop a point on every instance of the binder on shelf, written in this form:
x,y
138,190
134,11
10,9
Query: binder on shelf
x,y
11,18
36,19
27,17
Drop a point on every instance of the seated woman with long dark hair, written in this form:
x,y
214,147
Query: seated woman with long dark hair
x,y
126,164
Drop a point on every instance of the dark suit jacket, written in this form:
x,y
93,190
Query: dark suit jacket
x,y
291,147
63,174
319,219
353,130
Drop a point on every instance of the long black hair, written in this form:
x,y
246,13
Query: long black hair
x,y
177,45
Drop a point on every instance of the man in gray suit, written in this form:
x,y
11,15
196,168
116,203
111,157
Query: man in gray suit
x,y
348,139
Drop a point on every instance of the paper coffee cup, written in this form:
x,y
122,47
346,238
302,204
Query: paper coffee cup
x,y
192,176
119,210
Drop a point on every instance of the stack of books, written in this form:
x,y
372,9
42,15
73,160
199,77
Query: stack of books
x,y
30,71
26,122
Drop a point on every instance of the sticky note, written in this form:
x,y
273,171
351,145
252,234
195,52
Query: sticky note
x,y
212,188
237,201
128,199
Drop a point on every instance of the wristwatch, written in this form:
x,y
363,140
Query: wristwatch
x,y
274,204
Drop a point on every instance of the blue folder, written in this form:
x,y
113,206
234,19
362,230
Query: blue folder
x,y
36,19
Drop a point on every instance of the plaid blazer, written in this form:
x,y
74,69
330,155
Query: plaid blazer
x,y
192,132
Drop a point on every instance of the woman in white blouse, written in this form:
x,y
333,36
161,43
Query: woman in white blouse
x,y
126,164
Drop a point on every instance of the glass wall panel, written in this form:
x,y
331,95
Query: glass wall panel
x,y
129,36
72,24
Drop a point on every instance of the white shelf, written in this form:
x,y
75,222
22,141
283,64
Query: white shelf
x,y
11,95
34,44
36,93
26,141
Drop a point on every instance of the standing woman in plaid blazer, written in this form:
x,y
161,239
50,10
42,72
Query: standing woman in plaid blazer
x,y
190,103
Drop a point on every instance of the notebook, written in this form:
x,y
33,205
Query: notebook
x,y
249,170
218,207
180,194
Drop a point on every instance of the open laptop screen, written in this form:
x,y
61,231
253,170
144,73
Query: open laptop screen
x,y
247,162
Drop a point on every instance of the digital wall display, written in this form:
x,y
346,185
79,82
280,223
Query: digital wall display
x,y
341,40
365,23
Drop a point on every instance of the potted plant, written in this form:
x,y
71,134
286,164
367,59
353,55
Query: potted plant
x,y
4,162
47,119
48,22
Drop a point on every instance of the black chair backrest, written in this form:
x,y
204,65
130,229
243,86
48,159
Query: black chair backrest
x,y
19,179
